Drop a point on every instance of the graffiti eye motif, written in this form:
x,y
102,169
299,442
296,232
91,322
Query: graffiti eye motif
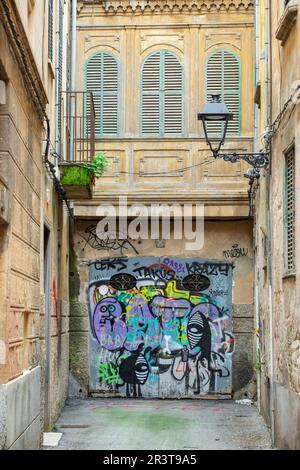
x,y
111,308
141,369
103,309
196,283
123,281
195,330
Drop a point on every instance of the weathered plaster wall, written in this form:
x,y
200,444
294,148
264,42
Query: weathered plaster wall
x,y
20,412
31,202
193,32
21,167
278,295
220,237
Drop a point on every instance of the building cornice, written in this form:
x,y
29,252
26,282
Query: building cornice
x,y
287,21
167,6
20,46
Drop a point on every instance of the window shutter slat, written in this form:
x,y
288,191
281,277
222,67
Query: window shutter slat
x,y
173,114
290,212
214,85
93,85
102,79
173,82
151,95
50,30
59,72
162,101
223,78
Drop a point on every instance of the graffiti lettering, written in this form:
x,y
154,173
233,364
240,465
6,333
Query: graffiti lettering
x,y
110,241
111,263
178,267
109,372
158,271
235,252
218,292
209,269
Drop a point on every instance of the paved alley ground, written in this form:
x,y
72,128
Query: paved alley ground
x,y
121,424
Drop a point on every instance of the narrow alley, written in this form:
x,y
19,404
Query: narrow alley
x,y
149,225
118,424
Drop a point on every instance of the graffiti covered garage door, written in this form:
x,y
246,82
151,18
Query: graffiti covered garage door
x,y
160,327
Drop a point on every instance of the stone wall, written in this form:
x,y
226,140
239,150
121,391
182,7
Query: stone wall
x,y
30,202
278,291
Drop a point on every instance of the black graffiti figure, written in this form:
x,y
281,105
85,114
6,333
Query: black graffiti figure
x,y
199,336
134,370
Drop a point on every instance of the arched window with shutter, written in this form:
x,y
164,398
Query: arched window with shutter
x,y
161,111
223,77
102,79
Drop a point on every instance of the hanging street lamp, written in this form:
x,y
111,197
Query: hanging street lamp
x,y
217,112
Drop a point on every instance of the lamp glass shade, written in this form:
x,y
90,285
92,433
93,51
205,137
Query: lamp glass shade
x,y
215,111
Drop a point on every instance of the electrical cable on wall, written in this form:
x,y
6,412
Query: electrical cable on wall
x,y
274,127
24,65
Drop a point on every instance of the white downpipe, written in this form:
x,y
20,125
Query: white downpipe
x,y
73,76
57,148
256,138
269,224
257,70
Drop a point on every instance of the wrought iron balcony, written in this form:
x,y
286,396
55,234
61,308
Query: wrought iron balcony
x,y
79,123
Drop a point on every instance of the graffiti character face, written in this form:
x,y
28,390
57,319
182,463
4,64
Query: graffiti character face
x,y
195,329
110,307
141,369
110,329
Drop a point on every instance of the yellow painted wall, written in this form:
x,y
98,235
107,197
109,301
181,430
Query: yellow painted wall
x,y
131,35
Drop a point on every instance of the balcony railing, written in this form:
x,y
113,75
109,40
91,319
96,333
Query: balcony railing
x,y
79,122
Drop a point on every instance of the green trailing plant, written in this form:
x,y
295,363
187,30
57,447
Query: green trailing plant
x,y
85,173
98,165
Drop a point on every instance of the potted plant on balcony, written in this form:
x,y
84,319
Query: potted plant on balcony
x,y
78,179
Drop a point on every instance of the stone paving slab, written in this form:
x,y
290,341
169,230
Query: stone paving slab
x,y
122,424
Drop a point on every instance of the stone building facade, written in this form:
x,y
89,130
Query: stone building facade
x,y
153,160
277,221
34,304
124,313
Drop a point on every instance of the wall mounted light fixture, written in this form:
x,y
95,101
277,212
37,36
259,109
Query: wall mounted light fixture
x,y
216,111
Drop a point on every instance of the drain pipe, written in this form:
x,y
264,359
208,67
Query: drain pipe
x,y
256,136
73,77
269,225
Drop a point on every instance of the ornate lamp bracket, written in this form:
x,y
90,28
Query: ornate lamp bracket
x,y
257,160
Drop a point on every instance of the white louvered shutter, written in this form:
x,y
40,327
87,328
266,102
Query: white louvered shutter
x,y
214,86
151,95
110,98
50,30
173,99
102,79
93,85
223,77
162,100
231,89
59,73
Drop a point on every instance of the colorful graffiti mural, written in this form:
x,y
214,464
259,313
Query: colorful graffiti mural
x,y
155,329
